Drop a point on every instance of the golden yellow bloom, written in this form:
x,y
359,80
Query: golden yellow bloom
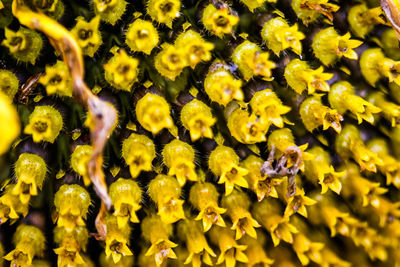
x,y
320,169
156,232
390,110
121,70
278,36
30,170
199,251
70,245
117,239
153,113
255,250
198,119
237,205
253,4
224,163
300,76
11,206
204,197
109,262
267,213
329,46
142,36
72,203
179,157
219,21
298,203
221,86
252,61
331,259
170,61
79,161
268,107
262,185
164,11
350,145
342,98
88,35
165,192
110,11
247,128
138,152
363,19
195,47
57,79
307,250
45,123
125,195
10,126
310,10
231,251
24,45
9,83
29,242
314,114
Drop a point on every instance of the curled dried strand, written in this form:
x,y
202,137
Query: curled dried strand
x,y
280,170
392,12
104,115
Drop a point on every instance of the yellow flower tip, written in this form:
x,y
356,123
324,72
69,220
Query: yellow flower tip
x,y
162,250
142,36
298,203
68,256
245,225
307,250
171,211
211,215
198,119
330,180
110,11
170,61
164,11
88,35
45,123
138,152
79,161
153,113
231,176
219,21
117,249
10,126
121,70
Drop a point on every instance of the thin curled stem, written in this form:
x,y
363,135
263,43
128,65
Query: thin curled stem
x,y
391,8
104,116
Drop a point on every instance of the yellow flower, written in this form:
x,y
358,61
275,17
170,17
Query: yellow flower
x,y
221,86
342,98
204,197
165,192
196,243
142,36
30,170
307,250
164,11
253,4
45,123
237,205
121,70
10,126
314,114
57,79
153,113
109,11
338,222
88,35
252,61
24,45
138,152
268,107
198,119
261,185
345,46
231,251
279,36
331,259
29,242
300,76
170,61
390,110
72,203
298,203
349,144
179,157
224,163
196,48
156,232
219,21
68,255
9,84
255,250
125,195
11,206
80,160
117,240
310,10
